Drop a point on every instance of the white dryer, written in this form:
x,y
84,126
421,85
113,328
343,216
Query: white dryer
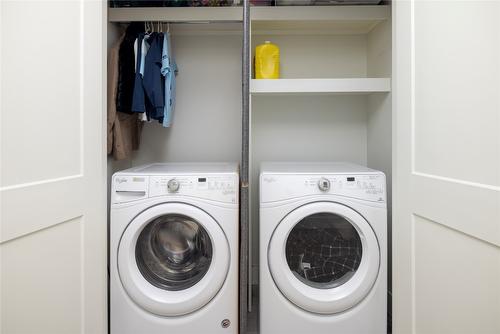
x,y
174,249
323,249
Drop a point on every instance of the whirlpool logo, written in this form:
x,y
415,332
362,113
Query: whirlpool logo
x,y
269,179
121,180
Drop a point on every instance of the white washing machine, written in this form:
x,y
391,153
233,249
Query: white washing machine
x,y
323,249
174,249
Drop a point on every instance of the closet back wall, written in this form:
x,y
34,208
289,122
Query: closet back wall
x,y
207,120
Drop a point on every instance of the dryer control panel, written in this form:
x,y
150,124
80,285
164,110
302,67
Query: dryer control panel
x,y
367,187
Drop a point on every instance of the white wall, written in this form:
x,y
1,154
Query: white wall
x,y
323,56
207,119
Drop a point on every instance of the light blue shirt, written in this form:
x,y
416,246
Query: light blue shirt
x,y
168,70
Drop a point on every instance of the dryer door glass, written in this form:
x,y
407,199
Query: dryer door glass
x,y
323,250
173,252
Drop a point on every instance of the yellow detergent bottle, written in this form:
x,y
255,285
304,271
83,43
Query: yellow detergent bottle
x,y
267,61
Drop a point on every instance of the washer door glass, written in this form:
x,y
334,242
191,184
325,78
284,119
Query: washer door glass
x,y
324,250
173,259
173,252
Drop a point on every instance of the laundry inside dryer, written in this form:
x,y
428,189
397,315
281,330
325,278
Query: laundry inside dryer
x,y
324,250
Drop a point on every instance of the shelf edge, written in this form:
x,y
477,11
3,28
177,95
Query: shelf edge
x,y
320,86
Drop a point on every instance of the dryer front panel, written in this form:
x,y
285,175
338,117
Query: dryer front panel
x,y
324,257
173,258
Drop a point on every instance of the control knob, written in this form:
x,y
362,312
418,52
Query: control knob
x,y
324,184
173,186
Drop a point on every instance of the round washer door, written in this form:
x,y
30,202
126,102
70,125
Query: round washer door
x,y
173,259
324,257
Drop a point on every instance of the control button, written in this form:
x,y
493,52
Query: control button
x,y
173,186
324,184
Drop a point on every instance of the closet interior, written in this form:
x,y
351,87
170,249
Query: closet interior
x,y
333,99
332,102
206,124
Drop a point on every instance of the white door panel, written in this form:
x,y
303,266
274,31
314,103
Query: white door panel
x,y
467,271
446,231
66,195
457,89
467,207
41,283
52,184
41,90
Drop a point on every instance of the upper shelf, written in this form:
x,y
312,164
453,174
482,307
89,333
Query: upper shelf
x,y
320,86
176,14
317,19
265,19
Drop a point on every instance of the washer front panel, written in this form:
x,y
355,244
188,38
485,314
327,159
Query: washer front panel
x,y
324,257
209,260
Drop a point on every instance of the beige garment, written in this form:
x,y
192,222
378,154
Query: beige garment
x,y
124,130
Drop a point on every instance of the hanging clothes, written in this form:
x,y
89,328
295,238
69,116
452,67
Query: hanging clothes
x,y
143,50
126,68
123,129
138,97
169,71
153,83
149,85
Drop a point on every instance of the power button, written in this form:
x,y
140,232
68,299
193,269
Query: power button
x,y
173,186
324,184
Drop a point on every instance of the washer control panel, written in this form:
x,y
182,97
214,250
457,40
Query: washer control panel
x,y
217,188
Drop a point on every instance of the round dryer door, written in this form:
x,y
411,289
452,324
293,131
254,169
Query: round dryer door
x,y
324,257
173,259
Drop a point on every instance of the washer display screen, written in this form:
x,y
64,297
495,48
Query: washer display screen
x,y
324,250
173,252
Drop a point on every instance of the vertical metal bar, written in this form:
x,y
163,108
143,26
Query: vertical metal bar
x,y
244,172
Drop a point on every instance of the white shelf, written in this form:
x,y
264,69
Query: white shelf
x,y
320,86
176,14
266,19
317,19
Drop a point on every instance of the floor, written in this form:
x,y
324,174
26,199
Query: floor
x,y
253,317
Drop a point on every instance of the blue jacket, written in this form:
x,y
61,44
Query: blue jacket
x,y
153,83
